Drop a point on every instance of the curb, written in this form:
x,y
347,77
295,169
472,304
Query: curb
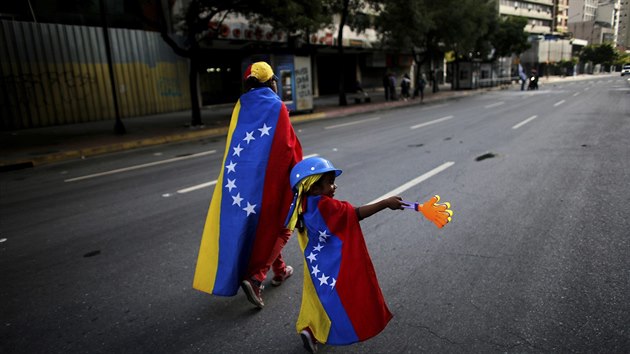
x,y
104,149
12,165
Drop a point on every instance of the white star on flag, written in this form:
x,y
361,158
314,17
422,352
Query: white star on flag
x,y
231,184
312,257
264,130
318,247
237,150
323,236
315,270
231,167
250,209
237,199
249,137
323,279
333,283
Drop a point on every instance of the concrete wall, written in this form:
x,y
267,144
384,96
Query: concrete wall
x,y
58,74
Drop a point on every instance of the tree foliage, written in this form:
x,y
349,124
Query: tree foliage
x,y
508,36
430,28
202,22
604,54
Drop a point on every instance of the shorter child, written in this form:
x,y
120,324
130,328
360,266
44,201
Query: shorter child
x,y
342,302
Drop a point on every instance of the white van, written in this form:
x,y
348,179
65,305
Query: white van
x,y
625,70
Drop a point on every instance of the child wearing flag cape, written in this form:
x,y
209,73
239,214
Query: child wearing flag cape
x,y
342,302
244,232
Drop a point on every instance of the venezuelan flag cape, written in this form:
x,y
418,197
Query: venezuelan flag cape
x,y
342,302
252,196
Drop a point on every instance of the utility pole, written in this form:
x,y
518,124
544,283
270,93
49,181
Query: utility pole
x,y
119,128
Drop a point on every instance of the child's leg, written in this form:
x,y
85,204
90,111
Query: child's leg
x,y
275,258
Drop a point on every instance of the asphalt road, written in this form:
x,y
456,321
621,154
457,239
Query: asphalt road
x,y
98,256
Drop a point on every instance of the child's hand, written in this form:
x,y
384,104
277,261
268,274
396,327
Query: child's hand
x,y
439,214
394,203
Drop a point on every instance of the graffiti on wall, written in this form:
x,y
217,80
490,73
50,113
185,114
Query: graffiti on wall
x,y
24,88
169,87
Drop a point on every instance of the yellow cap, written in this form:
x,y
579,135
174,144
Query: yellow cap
x,y
260,70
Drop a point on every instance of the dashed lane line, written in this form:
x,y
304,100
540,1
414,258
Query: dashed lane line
x,y
136,167
352,123
431,122
415,181
495,105
525,122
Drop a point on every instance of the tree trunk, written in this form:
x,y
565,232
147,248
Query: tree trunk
x,y
193,76
419,59
435,72
342,87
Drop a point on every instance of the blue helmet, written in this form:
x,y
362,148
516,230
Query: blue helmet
x,y
311,166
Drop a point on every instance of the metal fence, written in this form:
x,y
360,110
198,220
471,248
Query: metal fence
x,y
57,74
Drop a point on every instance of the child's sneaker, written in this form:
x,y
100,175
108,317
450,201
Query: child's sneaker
x,y
310,343
279,279
253,289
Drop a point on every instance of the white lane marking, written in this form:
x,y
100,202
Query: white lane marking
x,y
576,94
199,186
207,184
415,181
525,122
495,104
131,168
433,106
431,122
352,123
558,103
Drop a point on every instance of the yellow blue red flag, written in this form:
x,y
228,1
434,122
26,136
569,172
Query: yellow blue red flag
x,y
243,221
342,302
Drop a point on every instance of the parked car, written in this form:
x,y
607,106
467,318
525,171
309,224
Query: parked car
x,y
625,70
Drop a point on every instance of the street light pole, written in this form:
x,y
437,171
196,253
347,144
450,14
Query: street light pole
x,y
119,128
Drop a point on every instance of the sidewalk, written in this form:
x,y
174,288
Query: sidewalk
x,y
34,147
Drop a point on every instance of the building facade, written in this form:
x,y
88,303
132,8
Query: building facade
x,y
623,32
539,13
582,10
596,22
561,16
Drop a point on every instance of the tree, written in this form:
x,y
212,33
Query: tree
x,y
429,28
352,14
604,54
202,23
507,36
195,27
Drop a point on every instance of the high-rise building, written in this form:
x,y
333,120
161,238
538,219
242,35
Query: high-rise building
x,y
539,13
596,21
623,29
582,10
561,16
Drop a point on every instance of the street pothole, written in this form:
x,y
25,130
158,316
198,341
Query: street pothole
x,y
488,155
92,254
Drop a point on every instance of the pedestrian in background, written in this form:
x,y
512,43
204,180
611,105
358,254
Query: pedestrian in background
x,y
405,87
522,76
244,231
422,83
386,86
392,86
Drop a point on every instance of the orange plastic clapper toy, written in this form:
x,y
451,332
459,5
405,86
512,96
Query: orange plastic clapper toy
x,y
438,213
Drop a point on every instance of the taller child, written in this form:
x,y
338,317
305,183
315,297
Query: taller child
x,y
244,231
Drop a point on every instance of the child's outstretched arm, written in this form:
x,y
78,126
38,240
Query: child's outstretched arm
x,y
368,210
